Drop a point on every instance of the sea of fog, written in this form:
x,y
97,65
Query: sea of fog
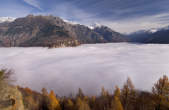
x,y
89,67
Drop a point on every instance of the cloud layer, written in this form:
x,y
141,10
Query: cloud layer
x,y
88,66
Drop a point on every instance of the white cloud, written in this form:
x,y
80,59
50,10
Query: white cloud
x,y
127,25
33,3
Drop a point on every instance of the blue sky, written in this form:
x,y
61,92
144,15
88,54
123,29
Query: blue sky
x,y
120,15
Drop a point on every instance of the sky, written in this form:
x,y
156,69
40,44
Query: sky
x,y
121,15
89,67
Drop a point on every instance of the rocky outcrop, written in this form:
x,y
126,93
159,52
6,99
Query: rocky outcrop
x,y
10,98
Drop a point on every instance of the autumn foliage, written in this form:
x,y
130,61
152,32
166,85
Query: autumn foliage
x,y
126,98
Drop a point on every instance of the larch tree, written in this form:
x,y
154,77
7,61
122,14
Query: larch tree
x,y
80,93
104,93
116,103
117,92
53,102
128,95
161,93
69,105
92,102
45,100
82,105
105,96
44,92
30,103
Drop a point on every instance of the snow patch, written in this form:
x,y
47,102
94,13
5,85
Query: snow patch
x,y
70,22
6,19
94,25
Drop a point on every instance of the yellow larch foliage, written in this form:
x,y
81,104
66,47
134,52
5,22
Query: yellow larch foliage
x,y
161,92
82,105
117,91
69,105
54,102
116,104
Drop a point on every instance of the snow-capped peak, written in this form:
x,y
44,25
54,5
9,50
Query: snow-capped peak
x,y
6,19
94,25
153,30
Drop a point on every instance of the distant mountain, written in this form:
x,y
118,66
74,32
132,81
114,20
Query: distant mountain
x,y
160,36
139,36
52,32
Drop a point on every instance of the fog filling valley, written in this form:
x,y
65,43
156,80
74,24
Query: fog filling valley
x,y
89,67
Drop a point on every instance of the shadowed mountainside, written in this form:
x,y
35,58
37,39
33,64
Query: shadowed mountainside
x,y
160,36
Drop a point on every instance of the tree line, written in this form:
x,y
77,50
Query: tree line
x,y
126,98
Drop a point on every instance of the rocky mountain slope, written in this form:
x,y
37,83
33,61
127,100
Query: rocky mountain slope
x,y
52,32
109,35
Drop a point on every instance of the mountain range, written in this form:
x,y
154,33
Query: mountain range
x,y
156,36
50,31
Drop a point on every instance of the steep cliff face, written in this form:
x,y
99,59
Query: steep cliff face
x,y
10,98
